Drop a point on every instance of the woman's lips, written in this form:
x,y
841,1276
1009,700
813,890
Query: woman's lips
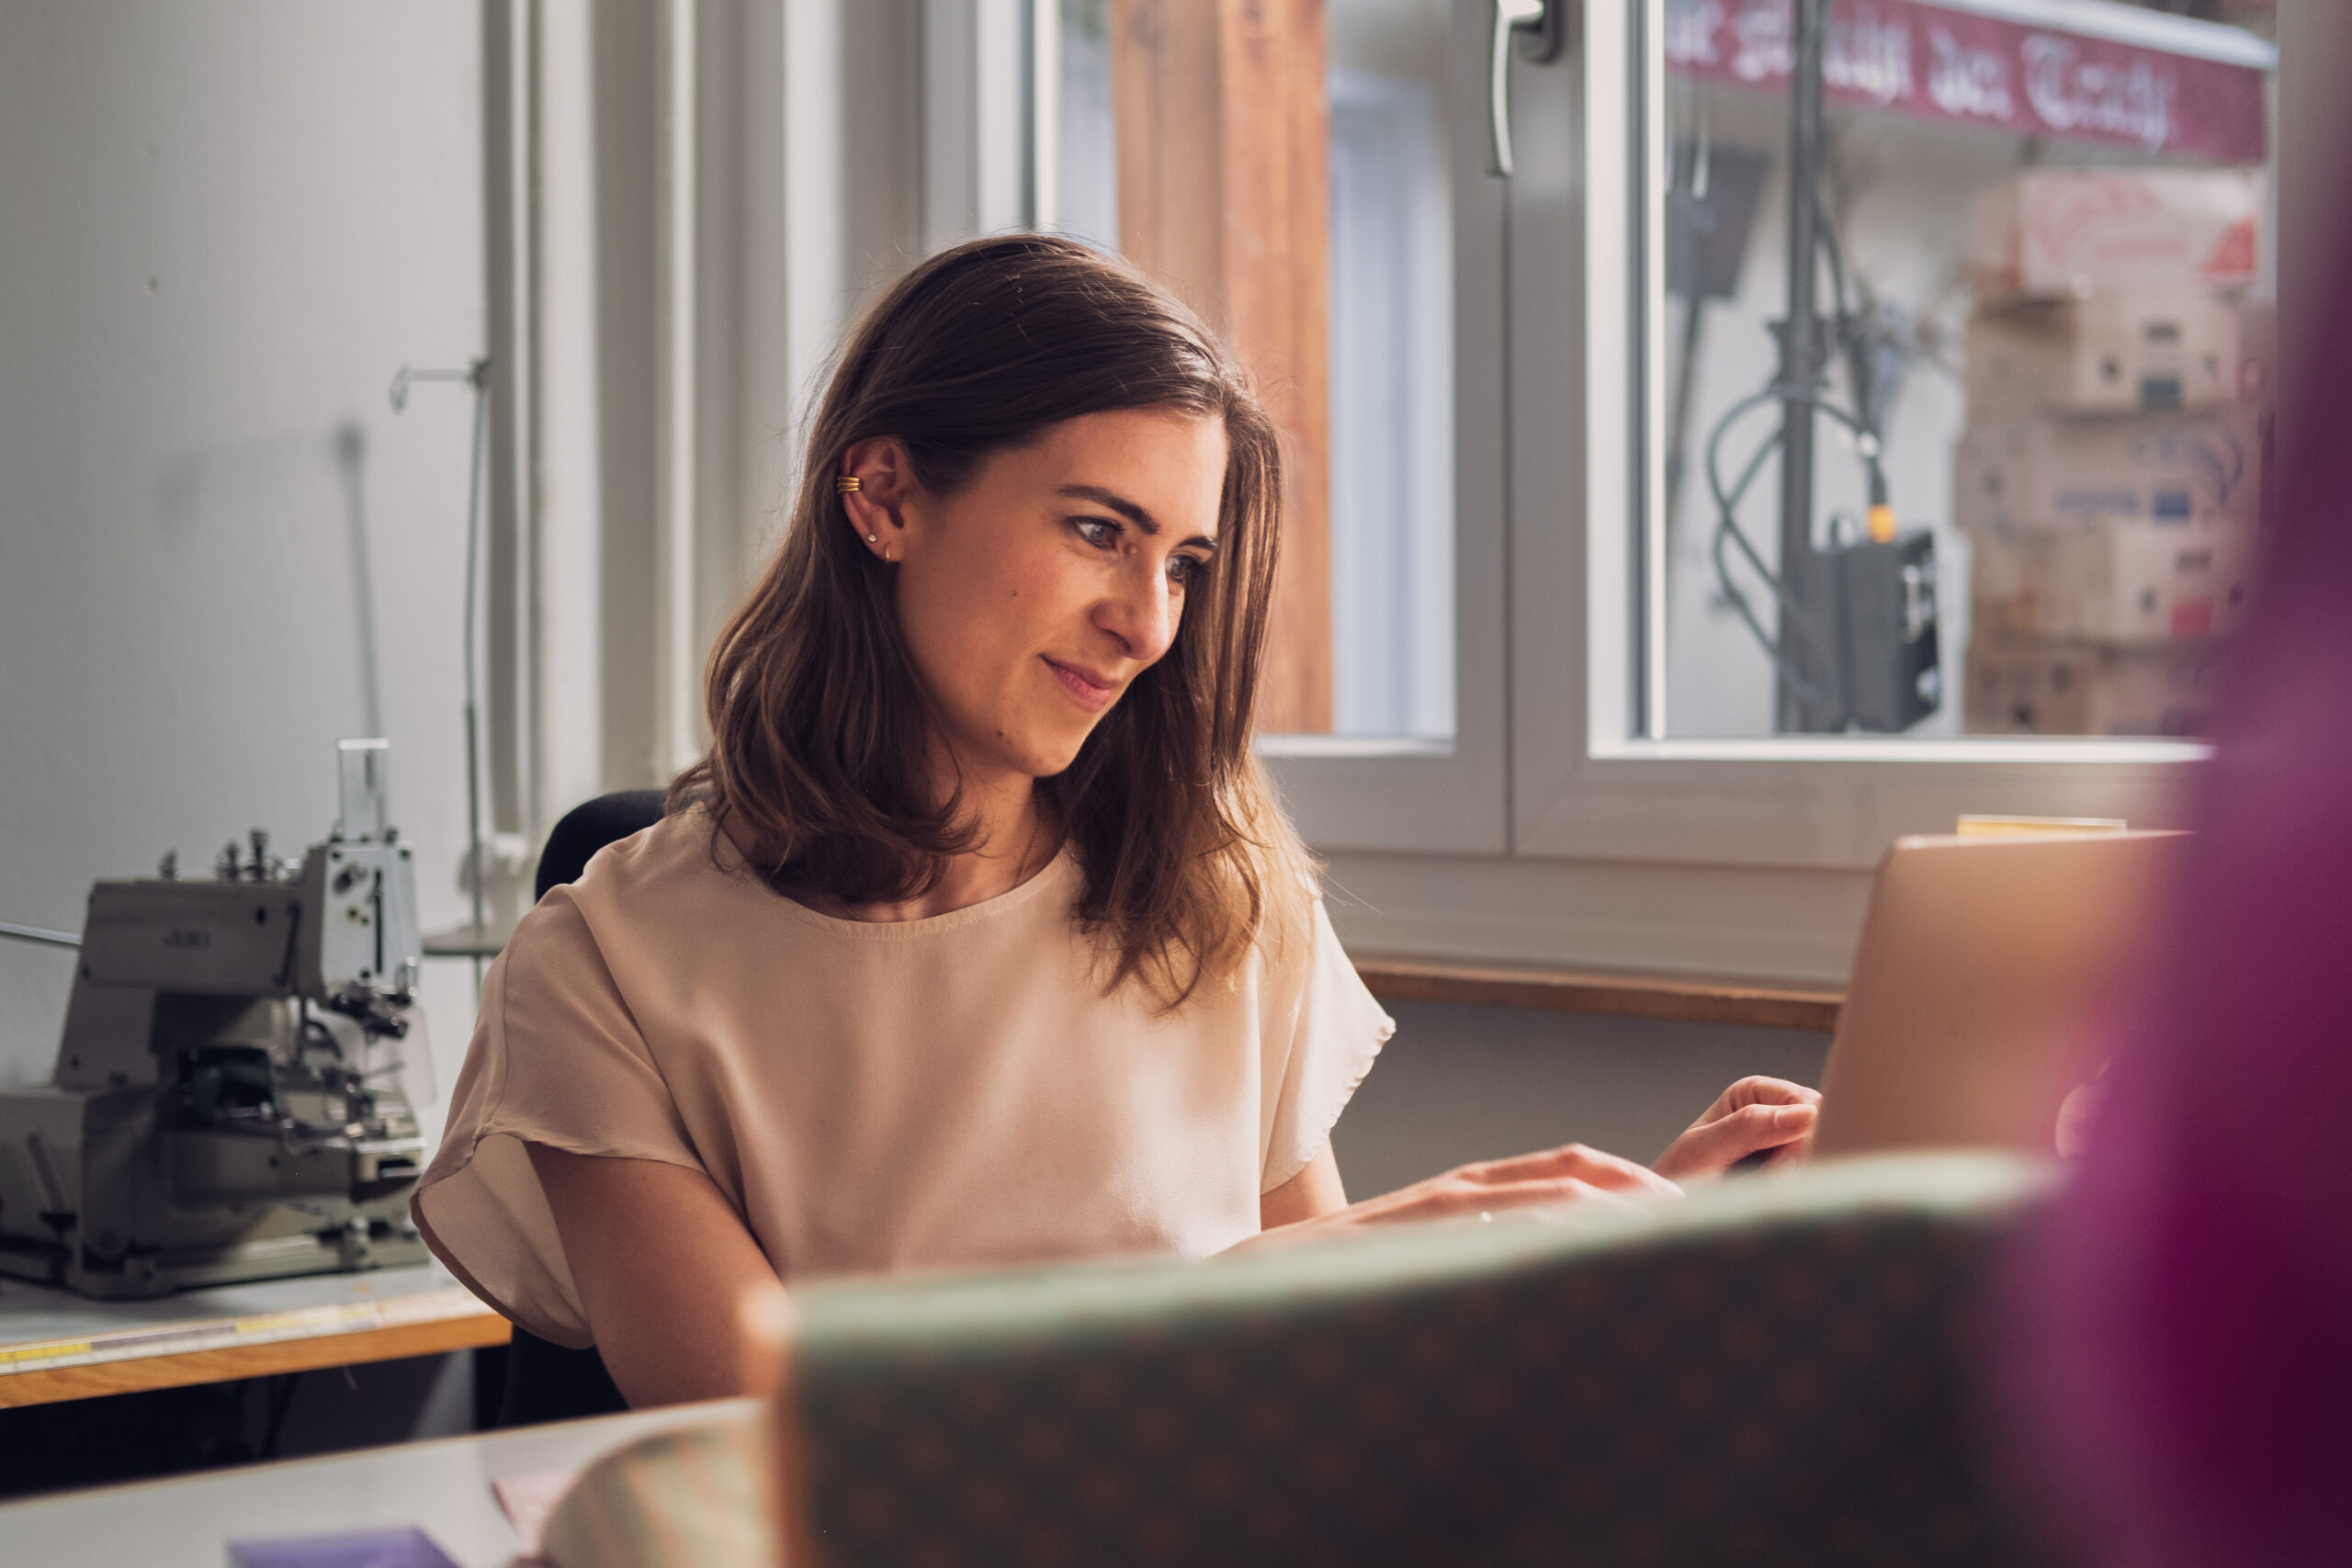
x,y
1090,692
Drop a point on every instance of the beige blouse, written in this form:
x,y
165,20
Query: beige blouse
x,y
941,1092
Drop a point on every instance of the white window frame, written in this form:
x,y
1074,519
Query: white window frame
x,y
1589,781
1732,857
1417,796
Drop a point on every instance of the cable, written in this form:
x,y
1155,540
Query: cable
x,y
1727,529
1848,331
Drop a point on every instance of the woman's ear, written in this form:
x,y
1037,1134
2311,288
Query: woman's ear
x,y
874,482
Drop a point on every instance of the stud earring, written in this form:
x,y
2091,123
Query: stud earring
x,y
870,538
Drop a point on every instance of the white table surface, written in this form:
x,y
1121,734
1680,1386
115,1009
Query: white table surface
x,y
441,1487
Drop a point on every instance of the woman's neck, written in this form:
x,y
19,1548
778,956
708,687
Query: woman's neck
x,y
1016,836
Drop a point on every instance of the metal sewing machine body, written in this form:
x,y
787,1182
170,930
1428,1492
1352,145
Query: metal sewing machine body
x,y
224,1106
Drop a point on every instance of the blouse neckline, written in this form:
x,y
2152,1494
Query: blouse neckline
x,y
1054,874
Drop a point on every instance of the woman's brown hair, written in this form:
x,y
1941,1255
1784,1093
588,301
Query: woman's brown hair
x,y
819,723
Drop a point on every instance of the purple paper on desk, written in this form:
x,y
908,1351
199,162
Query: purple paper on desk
x,y
346,1549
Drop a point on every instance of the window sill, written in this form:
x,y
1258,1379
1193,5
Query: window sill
x,y
1688,999
1350,745
1895,749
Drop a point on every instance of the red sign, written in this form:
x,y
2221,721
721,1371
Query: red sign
x,y
1972,68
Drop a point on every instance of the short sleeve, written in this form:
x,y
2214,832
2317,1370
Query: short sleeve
x,y
556,1059
1321,1030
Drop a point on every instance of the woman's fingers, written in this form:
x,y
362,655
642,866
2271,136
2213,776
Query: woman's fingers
x,y
1569,1162
1775,1091
1545,1178
1447,1197
1715,1146
1757,1090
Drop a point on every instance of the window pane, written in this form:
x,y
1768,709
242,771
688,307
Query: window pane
x,y
2029,497
1284,168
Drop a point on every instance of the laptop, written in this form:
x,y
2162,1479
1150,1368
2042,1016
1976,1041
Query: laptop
x,y
1981,961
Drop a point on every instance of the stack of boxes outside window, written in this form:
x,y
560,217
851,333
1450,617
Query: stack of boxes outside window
x,y
2111,476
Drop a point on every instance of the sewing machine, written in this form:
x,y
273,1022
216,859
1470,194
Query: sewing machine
x,y
226,1103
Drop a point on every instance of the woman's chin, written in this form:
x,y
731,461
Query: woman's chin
x,y
1037,755
1055,752
1050,760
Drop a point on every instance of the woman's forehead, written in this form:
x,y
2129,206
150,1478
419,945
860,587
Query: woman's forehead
x,y
1167,464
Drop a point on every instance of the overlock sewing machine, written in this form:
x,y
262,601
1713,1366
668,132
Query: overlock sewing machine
x,y
227,1103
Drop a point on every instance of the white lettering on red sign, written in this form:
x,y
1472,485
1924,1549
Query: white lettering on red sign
x,y
1950,61
1690,32
1969,84
1869,57
2072,94
1766,46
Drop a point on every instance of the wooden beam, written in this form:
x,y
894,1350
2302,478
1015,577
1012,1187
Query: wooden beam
x,y
1223,123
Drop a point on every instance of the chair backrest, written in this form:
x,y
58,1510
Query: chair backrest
x,y
589,826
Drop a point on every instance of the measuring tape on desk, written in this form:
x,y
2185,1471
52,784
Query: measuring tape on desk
x,y
229,1333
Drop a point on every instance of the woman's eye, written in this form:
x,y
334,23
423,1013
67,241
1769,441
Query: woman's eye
x,y
1184,569
1100,532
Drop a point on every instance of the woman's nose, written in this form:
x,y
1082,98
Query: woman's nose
x,y
1142,613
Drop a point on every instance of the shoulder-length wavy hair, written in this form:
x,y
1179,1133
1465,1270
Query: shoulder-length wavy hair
x,y
818,721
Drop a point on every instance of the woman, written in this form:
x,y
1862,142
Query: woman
x,y
978,937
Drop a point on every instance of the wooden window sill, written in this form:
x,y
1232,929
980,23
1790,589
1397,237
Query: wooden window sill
x,y
1690,998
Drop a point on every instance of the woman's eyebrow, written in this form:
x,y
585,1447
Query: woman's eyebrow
x,y
1116,503
1128,510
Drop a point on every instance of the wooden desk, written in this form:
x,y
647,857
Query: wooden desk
x,y
55,1345
441,1487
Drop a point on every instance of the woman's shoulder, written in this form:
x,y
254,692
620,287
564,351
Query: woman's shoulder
x,y
683,854
652,880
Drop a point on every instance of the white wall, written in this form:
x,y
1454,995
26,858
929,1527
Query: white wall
x,y
223,225
806,200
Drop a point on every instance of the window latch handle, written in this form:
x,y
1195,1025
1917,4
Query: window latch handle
x,y
1526,14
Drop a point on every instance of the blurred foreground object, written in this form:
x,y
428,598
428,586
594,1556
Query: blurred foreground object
x,y
2193,1290
1778,1369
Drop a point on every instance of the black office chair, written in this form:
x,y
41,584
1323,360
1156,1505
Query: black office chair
x,y
544,1380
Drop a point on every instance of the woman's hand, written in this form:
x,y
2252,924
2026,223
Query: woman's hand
x,y
1752,1116
1544,1179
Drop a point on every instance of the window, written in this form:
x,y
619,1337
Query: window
x,y
2009,483
1629,777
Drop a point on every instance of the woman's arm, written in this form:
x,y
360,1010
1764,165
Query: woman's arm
x,y
1313,1203
664,1267
1312,1193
